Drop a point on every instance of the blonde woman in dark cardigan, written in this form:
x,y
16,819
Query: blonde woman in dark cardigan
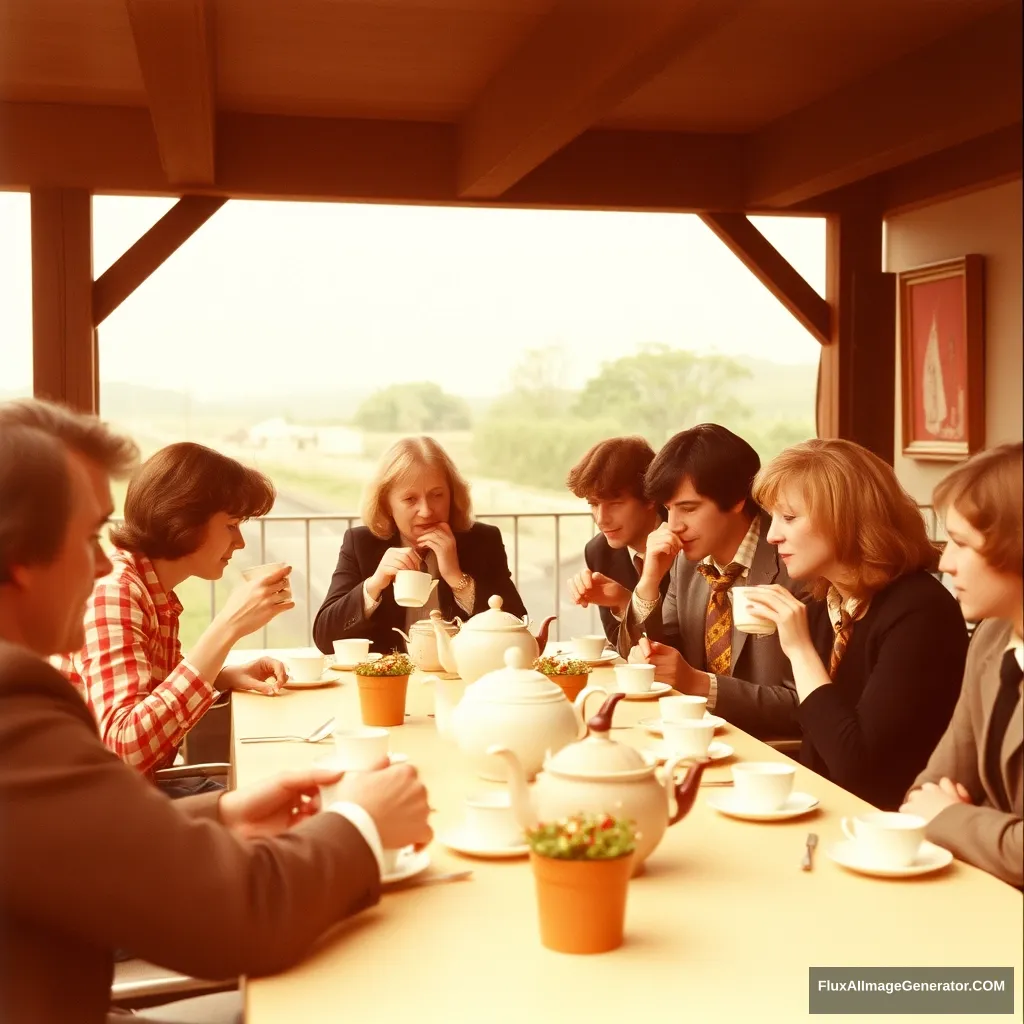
x,y
972,791
878,652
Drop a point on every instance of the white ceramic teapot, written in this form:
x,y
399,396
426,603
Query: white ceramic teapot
x,y
480,644
602,776
421,643
517,709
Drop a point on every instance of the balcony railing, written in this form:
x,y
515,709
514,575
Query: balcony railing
x,y
544,550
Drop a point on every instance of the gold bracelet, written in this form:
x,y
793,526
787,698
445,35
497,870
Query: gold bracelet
x,y
463,583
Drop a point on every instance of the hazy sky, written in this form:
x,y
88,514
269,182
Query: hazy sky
x,y
308,297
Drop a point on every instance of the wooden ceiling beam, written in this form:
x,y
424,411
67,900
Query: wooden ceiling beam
x,y
964,86
175,46
581,62
774,271
165,237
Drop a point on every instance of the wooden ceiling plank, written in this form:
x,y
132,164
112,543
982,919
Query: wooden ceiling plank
x,y
175,47
964,86
583,60
165,237
774,271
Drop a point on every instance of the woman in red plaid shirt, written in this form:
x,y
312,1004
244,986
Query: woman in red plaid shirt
x,y
182,518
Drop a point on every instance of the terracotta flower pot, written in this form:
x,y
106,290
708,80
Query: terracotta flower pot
x,y
570,685
382,699
581,903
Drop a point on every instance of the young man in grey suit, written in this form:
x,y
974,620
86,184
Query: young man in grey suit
x,y
716,537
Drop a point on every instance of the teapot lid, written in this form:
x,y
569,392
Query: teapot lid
x,y
598,755
516,683
494,620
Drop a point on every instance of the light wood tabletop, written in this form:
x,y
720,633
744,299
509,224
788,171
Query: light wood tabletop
x,y
722,926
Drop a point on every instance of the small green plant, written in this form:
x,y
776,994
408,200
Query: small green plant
x,y
390,665
583,837
554,665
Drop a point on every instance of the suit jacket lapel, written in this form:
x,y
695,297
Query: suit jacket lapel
x,y
763,569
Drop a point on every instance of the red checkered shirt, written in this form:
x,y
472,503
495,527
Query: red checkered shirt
x,y
131,672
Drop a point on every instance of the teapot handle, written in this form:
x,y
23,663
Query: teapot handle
x,y
580,708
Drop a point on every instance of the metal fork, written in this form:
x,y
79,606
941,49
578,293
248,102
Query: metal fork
x,y
317,736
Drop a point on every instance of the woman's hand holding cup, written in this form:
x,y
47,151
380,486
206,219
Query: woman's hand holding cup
x,y
393,561
252,605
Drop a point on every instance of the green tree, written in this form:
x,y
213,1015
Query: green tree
x,y
413,408
661,390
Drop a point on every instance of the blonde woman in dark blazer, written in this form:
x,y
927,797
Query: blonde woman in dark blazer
x,y
972,790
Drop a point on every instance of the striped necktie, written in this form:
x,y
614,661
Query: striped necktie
x,y
843,631
718,622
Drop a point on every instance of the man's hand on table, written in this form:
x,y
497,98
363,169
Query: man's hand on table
x,y
276,805
672,668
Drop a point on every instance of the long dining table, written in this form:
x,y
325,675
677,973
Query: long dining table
x,y
723,925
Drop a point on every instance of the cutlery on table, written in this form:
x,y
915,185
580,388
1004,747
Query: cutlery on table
x,y
812,842
717,782
451,876
316,736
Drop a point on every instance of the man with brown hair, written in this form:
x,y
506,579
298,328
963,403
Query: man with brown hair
x,y
93,857
610,478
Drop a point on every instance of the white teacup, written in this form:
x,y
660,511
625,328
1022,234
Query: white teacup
x,y
589,648
689,738
360,748
257,572
351,651
742,617
491,822
682,708
390,859
305,665
634,678
762,785
887,838
412,587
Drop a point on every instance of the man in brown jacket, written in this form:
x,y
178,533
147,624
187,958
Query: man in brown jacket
x,y
92,857
971,792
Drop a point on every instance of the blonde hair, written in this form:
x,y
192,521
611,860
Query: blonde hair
x,y
401,459
854,499
986,491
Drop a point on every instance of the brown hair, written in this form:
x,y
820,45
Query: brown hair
x,y
719,463
610,468
987,491
855,500
35,488
176,491
398,461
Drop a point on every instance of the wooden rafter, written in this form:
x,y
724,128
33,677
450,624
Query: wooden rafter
x,y
959,88
174,42
583,59
774,271
126,274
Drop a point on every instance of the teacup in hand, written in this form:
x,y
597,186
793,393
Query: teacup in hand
x,y
258,572
743,616
412,587
888,838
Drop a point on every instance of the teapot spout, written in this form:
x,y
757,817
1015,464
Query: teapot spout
x,y
522,804
445,654
542,633
401,634
683,794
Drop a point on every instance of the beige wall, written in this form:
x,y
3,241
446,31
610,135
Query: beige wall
x,y
989,223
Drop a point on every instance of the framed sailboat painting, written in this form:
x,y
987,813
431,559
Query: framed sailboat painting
x,y
942,346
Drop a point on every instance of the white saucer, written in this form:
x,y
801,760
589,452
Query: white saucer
x,y
653,725
656,690
456,839
929,858
718,751
797,804
336,666
605,659
295,684
410,863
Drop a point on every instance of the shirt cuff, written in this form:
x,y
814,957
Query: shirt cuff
x,y
369,605
641,608
364,823
466,598
712,691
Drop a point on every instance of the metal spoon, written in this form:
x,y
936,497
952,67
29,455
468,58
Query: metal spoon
x,y
812,842
316,736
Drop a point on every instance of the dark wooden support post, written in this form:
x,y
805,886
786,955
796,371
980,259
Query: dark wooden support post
x,y
857,376
64,355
